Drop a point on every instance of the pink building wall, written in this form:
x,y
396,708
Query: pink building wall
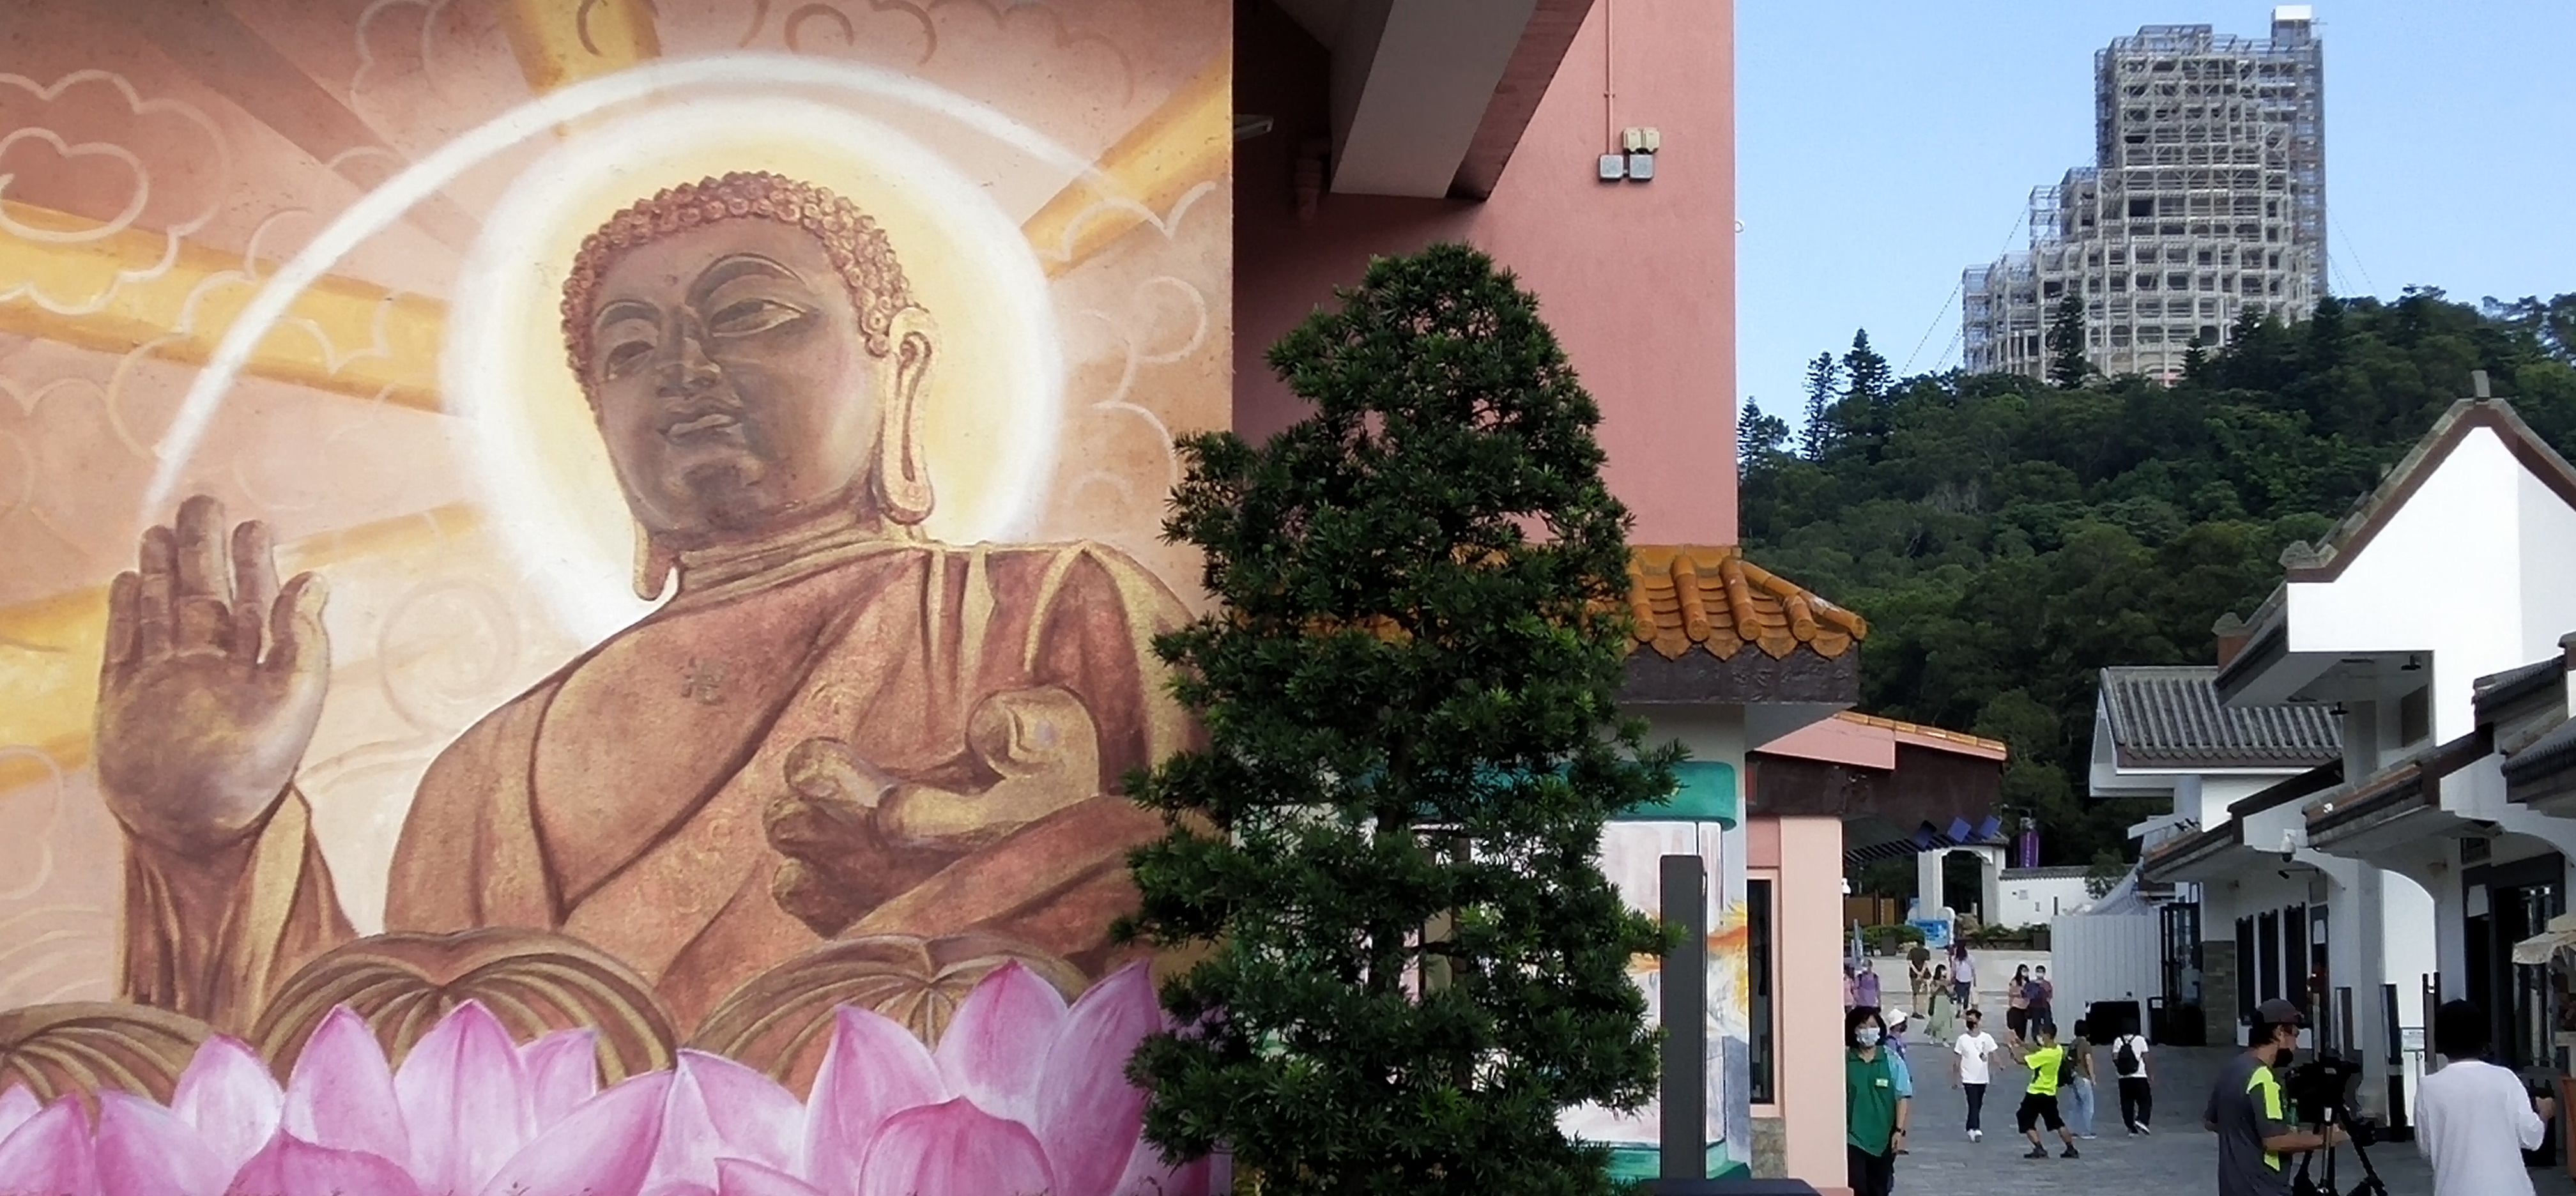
x,y
1638,279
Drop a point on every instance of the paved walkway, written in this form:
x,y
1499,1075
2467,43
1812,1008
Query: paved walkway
x,y
2179,1159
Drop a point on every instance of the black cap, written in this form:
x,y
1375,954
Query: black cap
x,y
2277,1012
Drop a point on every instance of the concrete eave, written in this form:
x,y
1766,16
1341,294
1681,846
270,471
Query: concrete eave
x,y
1429,98
2215,855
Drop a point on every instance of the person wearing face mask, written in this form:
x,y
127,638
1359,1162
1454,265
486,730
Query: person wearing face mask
x,y
2251,1116
1877,1102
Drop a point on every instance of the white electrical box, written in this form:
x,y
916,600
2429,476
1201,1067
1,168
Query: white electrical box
x,y
1641,167
1614,167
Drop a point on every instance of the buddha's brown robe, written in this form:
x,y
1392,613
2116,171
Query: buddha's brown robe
x,y
621,800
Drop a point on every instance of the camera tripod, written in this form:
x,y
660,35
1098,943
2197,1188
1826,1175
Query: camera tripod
x,y
2370,1184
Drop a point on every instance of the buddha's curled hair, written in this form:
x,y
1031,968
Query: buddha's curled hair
x,y
856,245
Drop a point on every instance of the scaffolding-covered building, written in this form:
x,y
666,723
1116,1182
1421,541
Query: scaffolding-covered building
x,y
2206,200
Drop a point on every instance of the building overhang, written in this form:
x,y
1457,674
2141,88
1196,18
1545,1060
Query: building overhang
x,y
1430,97
2542,774
2213,856
1934,797
2394,813
1715,629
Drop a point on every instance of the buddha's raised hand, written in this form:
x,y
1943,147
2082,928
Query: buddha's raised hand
x,y
211,684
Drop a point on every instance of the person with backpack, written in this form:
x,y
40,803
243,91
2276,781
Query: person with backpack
x,y
2078,1090
2135,1066
2050,1070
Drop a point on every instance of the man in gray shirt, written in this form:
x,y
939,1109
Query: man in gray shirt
x,y
2251,1117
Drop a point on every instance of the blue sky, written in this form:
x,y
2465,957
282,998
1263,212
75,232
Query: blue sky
x,y
1883,145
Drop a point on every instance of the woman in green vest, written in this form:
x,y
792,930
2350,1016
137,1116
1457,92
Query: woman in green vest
x,y
1877,1100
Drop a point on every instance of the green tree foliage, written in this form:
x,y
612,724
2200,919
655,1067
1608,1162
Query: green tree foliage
x,y
1759,437
2067,365
1816,435
2008,538
1387,849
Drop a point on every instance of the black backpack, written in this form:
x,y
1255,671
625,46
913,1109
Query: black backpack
x,y
2066,1070
2127,1057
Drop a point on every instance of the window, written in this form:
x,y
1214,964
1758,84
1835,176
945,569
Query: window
x,y
2267,950
2245,970
1764,1051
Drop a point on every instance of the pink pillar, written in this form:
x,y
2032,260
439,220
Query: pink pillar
x,y
1810,1004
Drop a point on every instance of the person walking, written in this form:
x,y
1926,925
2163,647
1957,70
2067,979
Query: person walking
x,y
1963,976
2248,1113
1971,1071
1877,1102
2016,1008
2474,1119
1866,985
2079,1091
1941,1014
1851,985
2135,1066
1918,973
2048,1073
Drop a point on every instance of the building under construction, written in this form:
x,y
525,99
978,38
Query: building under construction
x,y
2206,200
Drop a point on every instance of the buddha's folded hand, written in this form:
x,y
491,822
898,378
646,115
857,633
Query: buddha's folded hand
x,y
211,683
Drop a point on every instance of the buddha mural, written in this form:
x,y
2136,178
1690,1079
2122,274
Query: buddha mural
x,y
834,729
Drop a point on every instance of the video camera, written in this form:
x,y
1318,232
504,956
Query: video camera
x,y
2320,1091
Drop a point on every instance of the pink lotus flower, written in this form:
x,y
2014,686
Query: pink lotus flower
x,y
1024,1097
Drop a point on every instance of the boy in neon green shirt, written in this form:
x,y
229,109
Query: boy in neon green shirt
x,y
2039,1102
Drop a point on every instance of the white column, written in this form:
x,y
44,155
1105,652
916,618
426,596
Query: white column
x,y
1927,882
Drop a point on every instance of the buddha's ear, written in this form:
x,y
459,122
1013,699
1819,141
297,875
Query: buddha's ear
x,y
902,474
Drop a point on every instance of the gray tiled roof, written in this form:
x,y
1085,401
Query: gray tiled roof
x,y
2169,716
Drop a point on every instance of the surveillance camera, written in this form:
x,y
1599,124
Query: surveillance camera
x,y
2289,845
2289,855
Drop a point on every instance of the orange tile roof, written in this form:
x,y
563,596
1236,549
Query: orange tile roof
x,y
1958,741
1710,597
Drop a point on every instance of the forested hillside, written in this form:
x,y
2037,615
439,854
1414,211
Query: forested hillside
x,y
2007,537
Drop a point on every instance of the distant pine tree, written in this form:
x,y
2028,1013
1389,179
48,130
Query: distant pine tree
x,y
1758,436
1824,377
1868,373
2068,367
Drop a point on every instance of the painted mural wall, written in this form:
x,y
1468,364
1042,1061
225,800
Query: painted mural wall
x,y
595,555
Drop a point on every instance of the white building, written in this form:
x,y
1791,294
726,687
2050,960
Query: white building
x,y
2233,777
2033,896
2432,598
2206,200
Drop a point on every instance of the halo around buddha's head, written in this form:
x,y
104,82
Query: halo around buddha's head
x,y
754,358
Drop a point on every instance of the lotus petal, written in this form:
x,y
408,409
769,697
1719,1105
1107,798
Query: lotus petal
x,y
950,1149
230,1099
341,1095
873,1070
734,1177
146,1150
563,1071
50,1154
995,1049
465,1101
721,1109
1088,1114
290,1166
17,1107
603,1148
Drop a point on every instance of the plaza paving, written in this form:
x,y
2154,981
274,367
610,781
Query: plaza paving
x,y
2179,1159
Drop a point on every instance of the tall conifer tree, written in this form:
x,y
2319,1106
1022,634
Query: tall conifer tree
x,y
1387,849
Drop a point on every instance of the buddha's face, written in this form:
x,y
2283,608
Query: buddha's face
x,y
731,382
